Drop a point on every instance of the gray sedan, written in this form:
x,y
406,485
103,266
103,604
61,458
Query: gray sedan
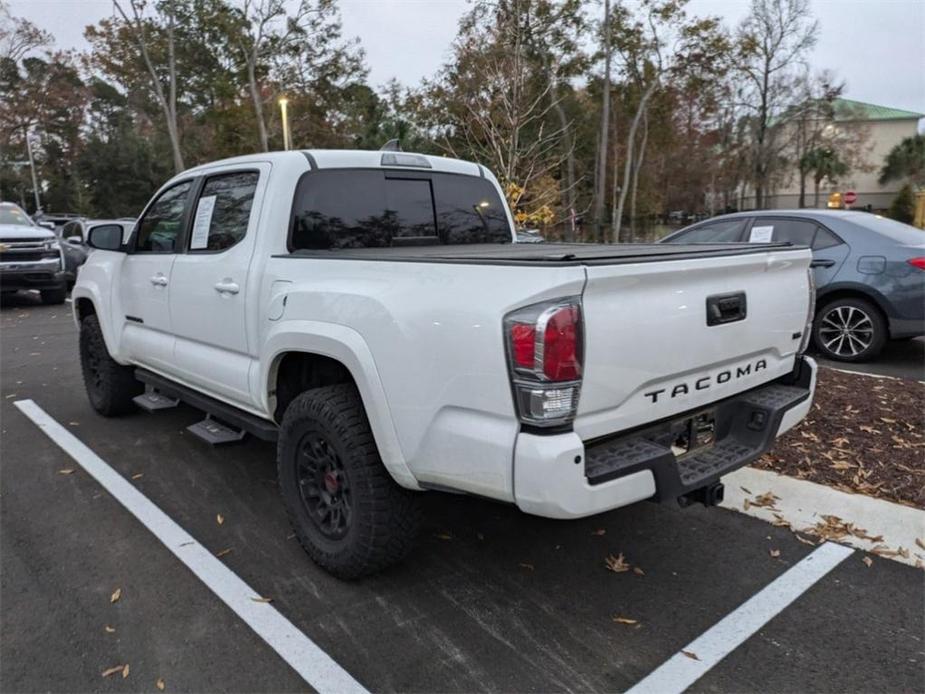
x,y
869,272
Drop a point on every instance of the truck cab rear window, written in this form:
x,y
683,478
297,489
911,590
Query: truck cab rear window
x,y
373,209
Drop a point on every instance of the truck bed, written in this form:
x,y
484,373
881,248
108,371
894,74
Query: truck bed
x,y
558,254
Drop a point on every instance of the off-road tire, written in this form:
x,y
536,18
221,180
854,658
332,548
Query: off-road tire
x,y
110,385
874,325
384,517
54,296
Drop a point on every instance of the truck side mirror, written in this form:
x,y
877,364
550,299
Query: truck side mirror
x,y
106,237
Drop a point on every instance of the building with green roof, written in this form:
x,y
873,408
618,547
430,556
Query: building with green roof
x,y
869,132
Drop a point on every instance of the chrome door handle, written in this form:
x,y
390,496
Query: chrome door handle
x,y
227,287
159,281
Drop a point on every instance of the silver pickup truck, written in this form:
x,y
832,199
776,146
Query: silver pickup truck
x,y
30,256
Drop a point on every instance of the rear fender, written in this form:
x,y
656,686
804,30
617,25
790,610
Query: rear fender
x,y
349,348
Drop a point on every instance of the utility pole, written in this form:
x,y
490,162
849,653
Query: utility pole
x,y
35,180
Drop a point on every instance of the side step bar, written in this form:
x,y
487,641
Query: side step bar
x,y
215,433
152,401
230,417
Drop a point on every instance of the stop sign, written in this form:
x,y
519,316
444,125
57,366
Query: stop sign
x,y
850,197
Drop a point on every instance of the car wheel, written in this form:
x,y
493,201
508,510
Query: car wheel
x,y
110,385
54,296
849,330
347,512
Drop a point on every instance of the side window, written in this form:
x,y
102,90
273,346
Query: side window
x,y
70,229
825,239
799,232
713,232
223,211
161,227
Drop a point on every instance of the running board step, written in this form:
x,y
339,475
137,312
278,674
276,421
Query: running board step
x,y
152,401
215,433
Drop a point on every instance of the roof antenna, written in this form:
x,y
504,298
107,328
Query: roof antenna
x,y
391,146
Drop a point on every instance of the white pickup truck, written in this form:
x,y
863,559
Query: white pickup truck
x,y
369,313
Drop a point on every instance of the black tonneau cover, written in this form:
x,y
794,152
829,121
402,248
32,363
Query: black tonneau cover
x,y
543,253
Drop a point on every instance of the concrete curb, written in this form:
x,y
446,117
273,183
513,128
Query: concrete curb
x,y
802,504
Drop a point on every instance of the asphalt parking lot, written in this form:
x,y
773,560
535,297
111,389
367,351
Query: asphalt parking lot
x,y
492,600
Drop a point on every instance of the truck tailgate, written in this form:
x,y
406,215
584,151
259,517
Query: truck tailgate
x,y
650,352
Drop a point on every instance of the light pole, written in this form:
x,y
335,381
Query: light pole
x,y
283,103
35,181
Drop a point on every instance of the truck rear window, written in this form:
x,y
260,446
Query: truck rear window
x,y
380,208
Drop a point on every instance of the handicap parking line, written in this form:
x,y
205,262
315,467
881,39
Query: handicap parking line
x,y
703,653
315,666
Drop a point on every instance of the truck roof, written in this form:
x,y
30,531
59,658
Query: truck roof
x,y
358,159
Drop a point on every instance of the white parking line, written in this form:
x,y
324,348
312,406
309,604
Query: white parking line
x,y
314,665
704,652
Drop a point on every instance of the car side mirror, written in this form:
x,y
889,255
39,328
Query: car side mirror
x,y
77,240
106,237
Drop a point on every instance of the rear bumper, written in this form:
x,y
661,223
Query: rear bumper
x,y
559,476
33,275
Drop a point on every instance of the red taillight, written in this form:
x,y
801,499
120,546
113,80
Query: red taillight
x,y
917,262
523,344
545,341
561,345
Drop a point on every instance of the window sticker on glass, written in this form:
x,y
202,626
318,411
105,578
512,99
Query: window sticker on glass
x,y
202,223
760,234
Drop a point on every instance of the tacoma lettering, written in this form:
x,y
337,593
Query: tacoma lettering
x,y
705,382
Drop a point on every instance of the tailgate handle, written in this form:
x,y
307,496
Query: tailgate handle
x,y
725,308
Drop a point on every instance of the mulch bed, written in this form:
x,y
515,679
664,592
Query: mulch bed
x,y
863,435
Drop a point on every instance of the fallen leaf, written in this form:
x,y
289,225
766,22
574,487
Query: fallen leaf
x,y
219,519
160,684
125,671
691,655
599,532
920,542
117,593
480,536
625,620
638,571
747,491
109,629
868,561
804,540
138,476
113,670
74,424
524,565
262,599
223,552
616,564
774,553
66,471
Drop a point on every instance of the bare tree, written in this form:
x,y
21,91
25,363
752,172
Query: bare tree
x,y
167,101
601,176
773,41
664,43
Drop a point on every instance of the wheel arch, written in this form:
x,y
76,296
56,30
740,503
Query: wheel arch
x,y
316,354
854,291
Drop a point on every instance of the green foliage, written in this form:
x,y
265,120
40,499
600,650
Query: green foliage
x,y
902,209
906,161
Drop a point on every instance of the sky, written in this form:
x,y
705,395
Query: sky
x,y
877,47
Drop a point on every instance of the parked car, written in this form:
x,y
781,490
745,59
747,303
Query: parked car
x,y
529,236
74,234
869,272
54,220
369,312
30,256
